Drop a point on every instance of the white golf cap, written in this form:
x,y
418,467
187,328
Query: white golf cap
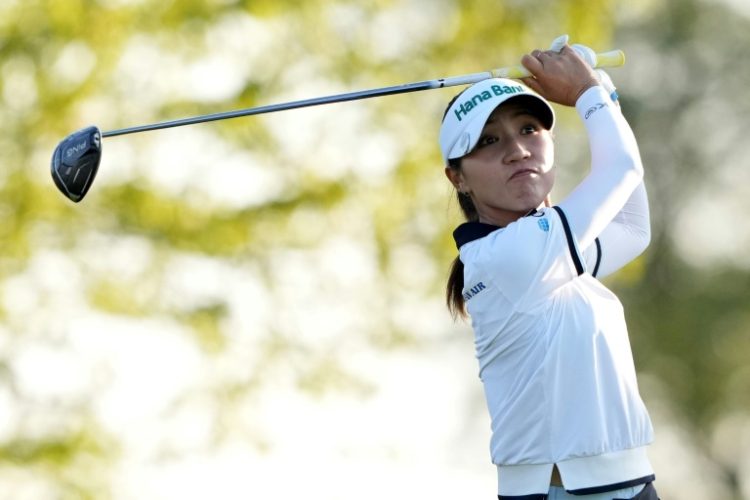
x,y
465,119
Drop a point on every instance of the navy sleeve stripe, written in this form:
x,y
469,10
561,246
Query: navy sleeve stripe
x,y
598,256
571,243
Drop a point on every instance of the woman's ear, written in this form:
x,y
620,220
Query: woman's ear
x,y
454,175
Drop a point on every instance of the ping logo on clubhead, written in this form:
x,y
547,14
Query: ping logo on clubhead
x,y
76,149
75,162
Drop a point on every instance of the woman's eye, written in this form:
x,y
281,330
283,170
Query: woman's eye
x,y
528,129
486,140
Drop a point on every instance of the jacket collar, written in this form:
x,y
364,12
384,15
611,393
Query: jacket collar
x,y
473,230
470,231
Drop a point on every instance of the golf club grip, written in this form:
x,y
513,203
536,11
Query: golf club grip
x,y
610,59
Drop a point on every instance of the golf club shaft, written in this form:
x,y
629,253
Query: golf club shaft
x,y
605,59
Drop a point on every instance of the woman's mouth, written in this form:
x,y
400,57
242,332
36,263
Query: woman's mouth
x,y
525,172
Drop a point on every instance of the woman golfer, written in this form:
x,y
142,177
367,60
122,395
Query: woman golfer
x,y
551,340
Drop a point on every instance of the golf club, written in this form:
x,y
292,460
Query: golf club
x,y
76,159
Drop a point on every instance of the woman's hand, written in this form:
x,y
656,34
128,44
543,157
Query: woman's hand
x,y
559,77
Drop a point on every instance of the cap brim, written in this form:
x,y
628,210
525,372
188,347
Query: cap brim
x,y
473,130
537,107
469,111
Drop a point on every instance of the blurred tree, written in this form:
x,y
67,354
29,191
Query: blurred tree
x,y
690,311
295,212
274,244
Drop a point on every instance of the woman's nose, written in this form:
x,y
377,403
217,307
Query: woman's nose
x,y
515,151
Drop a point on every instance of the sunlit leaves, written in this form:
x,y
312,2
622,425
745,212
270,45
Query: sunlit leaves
x,y
275,246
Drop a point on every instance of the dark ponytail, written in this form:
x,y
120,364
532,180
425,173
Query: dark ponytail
x,y
454,289
454,296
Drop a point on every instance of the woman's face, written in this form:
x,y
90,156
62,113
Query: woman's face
x,y
510,171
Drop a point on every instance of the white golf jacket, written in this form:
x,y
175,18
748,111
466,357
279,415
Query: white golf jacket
x,y
551,340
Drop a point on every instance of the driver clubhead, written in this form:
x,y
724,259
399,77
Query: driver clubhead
x,y
76,161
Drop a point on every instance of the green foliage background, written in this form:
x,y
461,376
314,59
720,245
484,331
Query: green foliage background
x,y
68,64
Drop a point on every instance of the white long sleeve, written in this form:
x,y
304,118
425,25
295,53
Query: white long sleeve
x,y
611,202
624,239
616,168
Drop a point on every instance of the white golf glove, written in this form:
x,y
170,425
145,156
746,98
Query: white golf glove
x,y
558,43
588,55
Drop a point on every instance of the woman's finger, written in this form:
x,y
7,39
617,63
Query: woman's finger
x,y
532,63
533,84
